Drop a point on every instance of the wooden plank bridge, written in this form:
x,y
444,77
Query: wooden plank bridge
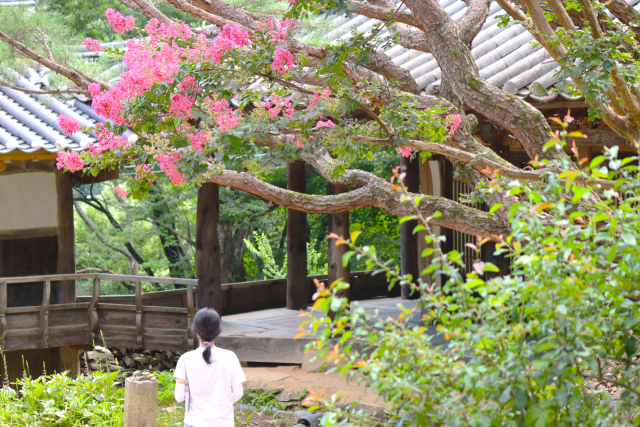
x,y
153,320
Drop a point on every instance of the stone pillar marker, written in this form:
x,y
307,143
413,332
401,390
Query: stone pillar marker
x,y
140,401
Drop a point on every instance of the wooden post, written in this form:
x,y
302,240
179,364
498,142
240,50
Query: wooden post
x,y
92,312
3,310
296,242
190,314
338,224
139,321
65,291
208,291
408,240
44,314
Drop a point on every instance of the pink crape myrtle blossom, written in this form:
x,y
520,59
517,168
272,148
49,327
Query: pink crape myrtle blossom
x,y
327,124
189,85
95,90
405,151
68,125
120,23
230,37
120,191
162,32
108,140
281,59
144,173
222,112
92,45
283,33
168,165
276,104
198,141
324,95
70,160
181,106
299,143
452,122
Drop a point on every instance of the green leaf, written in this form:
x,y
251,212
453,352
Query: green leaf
x,y
495,207
579,192
629,239
561,395
491,267
630,347
521,399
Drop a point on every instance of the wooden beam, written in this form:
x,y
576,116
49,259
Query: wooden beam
x,y
17,167
208,291
36,155
28,233
102,176
338,224
296,242
409,240
190,315
65,291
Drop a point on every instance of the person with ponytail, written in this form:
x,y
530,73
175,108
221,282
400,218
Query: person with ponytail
x,y
212,376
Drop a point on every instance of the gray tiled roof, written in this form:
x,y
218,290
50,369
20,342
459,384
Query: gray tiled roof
x,y
506,57
28,122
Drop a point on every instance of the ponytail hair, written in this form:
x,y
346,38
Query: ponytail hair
x,y
206,323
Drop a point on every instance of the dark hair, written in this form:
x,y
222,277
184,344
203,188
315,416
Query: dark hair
x,y
206,323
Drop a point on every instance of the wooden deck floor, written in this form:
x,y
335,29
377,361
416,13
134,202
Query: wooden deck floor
x,y
268,335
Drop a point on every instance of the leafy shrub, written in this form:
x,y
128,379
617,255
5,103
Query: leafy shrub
x,y
58,400
527,349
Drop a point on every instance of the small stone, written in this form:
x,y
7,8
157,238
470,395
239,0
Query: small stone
x,y
152,379
136,373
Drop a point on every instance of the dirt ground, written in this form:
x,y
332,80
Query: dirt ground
x,y
294,379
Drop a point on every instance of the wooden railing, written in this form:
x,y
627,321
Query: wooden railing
x,y
78,323
158,320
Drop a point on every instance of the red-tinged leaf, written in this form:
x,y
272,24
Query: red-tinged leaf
x,y
300,335
333,235
395,187
478,267
542,206
472,246
557,120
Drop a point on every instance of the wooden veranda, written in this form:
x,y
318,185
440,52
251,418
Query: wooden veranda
x,y
159,320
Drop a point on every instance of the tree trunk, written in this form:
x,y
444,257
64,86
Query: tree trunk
x,y
338,224
65,292
296,243
232,248
409,240
208,291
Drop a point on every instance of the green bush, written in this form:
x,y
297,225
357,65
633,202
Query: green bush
x,y
58,400
526,349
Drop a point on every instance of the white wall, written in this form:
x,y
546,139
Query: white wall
x,y
28,200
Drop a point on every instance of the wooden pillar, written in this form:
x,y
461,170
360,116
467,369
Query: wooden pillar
x,y
208,291
297,286
65,292
408,240
338,224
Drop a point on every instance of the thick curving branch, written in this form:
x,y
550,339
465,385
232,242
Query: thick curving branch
x,y
475,16
377,193
626,14
446,44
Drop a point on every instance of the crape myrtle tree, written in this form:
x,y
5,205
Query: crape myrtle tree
x,y
226,103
